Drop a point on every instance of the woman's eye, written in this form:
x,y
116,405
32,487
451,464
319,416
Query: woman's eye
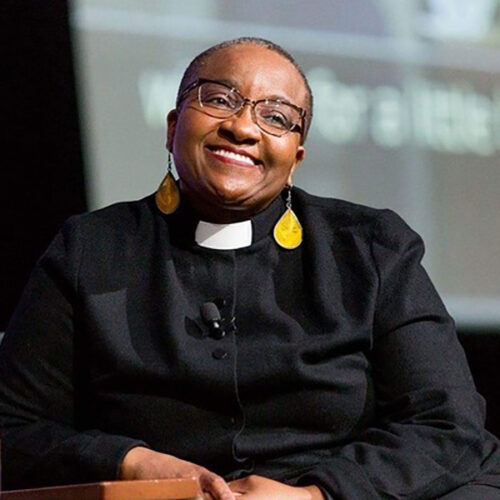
x,y
277,119
221,101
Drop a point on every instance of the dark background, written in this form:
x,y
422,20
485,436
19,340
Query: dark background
x,y
42,173
42,166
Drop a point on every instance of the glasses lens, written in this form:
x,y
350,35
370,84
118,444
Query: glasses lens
x,y
276,117
219,99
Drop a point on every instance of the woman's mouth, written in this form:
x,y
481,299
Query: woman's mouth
x,y
232,157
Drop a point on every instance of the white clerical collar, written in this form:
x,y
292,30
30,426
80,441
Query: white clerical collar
x,y
224,236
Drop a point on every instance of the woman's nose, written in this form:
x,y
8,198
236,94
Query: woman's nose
x,y
242,125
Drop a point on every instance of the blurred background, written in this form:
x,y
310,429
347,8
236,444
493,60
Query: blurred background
x,y
407,116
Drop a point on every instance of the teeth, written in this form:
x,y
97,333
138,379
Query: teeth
x,y
235,156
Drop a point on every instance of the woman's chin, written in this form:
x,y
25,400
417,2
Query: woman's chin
x,y
233,192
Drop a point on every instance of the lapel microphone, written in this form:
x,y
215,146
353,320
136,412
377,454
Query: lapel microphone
x,y
211,316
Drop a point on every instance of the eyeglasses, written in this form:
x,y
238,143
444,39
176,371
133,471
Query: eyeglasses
x,y
273,116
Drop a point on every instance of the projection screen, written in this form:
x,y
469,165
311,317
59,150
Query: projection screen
x,y
407,111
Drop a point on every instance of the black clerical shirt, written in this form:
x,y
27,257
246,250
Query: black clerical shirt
x,y
343,370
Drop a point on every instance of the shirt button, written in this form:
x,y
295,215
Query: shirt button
x,y
220,354
218,334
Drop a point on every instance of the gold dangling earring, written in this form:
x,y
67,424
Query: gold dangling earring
x,y
288,231
167,196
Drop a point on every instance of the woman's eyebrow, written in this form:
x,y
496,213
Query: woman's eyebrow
x,y
229,83
234,85
278,97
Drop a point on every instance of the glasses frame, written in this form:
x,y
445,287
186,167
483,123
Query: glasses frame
x,y
245,100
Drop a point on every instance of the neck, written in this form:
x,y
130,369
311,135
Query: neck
x,y
221,211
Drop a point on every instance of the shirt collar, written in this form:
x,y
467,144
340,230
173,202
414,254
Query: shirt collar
x,y
184,224
224,236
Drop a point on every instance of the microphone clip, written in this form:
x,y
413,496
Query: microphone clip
x,y
218,326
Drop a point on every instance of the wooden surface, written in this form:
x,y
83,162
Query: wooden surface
x,y
157,489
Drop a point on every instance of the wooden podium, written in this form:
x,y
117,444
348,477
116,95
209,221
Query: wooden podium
x,y
156,489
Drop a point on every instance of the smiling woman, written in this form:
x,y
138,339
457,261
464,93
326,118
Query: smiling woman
x,y
213,331
234,155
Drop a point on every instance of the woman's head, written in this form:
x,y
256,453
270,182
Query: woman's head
x,y
191,72
233,165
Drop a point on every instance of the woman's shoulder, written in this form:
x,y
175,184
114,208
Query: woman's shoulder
x,y
344,211
121,218
111,230
341,216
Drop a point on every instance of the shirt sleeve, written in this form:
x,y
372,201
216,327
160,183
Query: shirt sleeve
x,y
427,436
43,442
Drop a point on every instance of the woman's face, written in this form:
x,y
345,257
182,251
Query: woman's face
x,y
223,187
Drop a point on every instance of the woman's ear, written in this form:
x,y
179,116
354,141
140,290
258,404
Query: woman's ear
x,y
299,156
171,124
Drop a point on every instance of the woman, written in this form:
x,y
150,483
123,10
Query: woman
x,y
272,343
